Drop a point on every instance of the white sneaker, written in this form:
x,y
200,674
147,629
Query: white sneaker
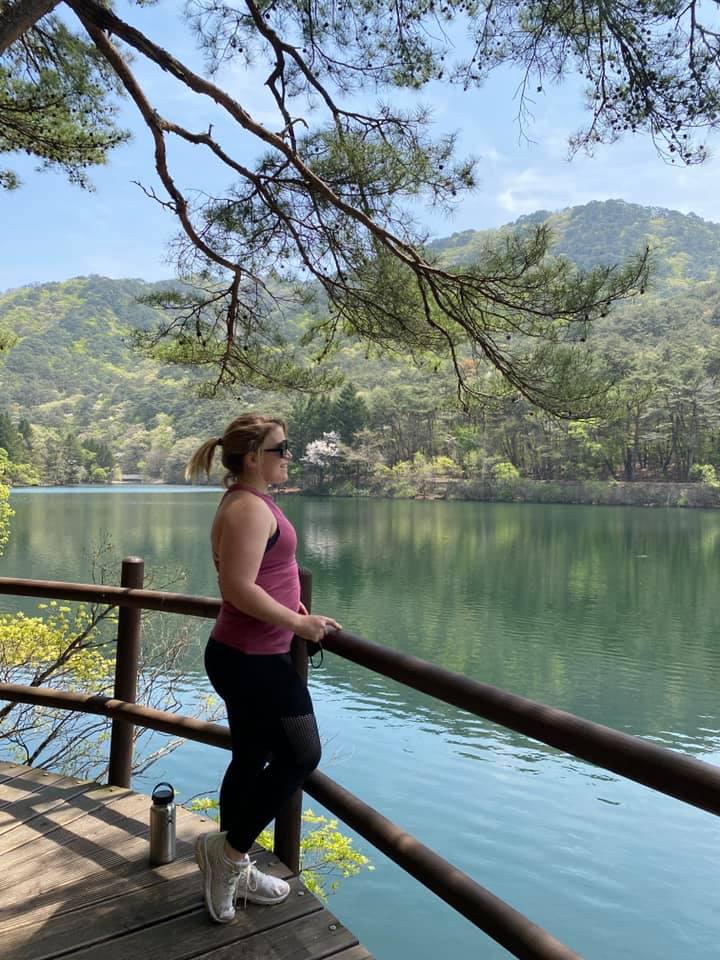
x,y
258,887
220,874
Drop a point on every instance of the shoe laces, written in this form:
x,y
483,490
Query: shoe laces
x,y
251,879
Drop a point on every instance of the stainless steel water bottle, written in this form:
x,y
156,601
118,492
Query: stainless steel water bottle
x,y
162,825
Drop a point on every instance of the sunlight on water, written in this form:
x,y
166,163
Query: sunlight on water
x,y
608,613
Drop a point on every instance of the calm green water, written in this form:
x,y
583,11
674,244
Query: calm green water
x,y
611,613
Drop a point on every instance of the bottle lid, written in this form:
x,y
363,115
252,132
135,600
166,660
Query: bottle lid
x,y
163,794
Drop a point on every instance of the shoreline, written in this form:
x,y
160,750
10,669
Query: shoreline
x,y
573,492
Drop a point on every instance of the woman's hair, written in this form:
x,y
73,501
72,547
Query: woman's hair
x,y
245,434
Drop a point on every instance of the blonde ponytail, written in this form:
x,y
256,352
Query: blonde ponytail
x,y
201,460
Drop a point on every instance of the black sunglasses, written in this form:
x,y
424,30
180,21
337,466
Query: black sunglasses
x,y
282,449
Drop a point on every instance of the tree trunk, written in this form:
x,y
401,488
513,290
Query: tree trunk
x,y
628,464
18,18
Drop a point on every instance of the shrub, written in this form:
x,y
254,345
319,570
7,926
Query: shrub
x,y
704,473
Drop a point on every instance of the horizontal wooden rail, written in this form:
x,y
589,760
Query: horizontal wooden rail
x,y
499,920
176,725
190,606
666,771
522,937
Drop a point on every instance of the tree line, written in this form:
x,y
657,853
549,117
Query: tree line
x,y
662,424
81,405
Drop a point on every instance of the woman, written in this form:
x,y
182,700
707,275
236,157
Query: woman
x,y
275,743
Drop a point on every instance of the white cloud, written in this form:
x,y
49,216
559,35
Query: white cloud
x,y
531,189
628,172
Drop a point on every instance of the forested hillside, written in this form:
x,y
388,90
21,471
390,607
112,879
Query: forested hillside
x,y
80,404
683,247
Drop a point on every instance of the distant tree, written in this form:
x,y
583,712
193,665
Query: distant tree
x,y
102,455
307,421
133,449
162,438
178,457
328,199
24,428
10,438
71,453
322,459
408,414
348,414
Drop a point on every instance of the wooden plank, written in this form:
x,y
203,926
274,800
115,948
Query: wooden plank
x,y
190,935
76,884
95,890
73,825
83,804
181,893
357,952
78,881
105,920
313,937
30,782
41,803
118,850
8,770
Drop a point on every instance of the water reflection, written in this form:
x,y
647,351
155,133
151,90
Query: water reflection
x,y
606,612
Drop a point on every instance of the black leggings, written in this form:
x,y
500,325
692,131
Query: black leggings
x,y
275,742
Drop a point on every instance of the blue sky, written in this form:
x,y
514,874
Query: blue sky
x,y
52,231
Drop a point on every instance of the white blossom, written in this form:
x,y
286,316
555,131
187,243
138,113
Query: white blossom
x,y
320,453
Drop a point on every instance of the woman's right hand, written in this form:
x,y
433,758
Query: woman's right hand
x,y
312,626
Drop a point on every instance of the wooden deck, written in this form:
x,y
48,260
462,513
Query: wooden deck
x,y
75,883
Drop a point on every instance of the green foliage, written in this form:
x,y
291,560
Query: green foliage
x,y
327,856
56,102
705,473
23,474
505,472
65,647
6,512
348,414
10,438
307,421
59,648
30,646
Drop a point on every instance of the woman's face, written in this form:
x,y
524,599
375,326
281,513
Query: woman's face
x,y
273,466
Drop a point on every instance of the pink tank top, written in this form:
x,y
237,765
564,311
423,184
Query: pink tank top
x,y
278,576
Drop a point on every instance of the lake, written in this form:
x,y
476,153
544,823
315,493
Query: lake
x,y
610,613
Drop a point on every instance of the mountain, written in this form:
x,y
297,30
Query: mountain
x,y
73,358
73,372
683,247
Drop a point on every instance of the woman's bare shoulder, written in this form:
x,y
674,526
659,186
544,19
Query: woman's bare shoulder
x,y
240,517
241,506
244,499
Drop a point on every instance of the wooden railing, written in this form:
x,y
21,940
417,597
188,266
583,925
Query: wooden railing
x,y
679,776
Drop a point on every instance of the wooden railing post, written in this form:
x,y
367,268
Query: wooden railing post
x,y
288,823
126,671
